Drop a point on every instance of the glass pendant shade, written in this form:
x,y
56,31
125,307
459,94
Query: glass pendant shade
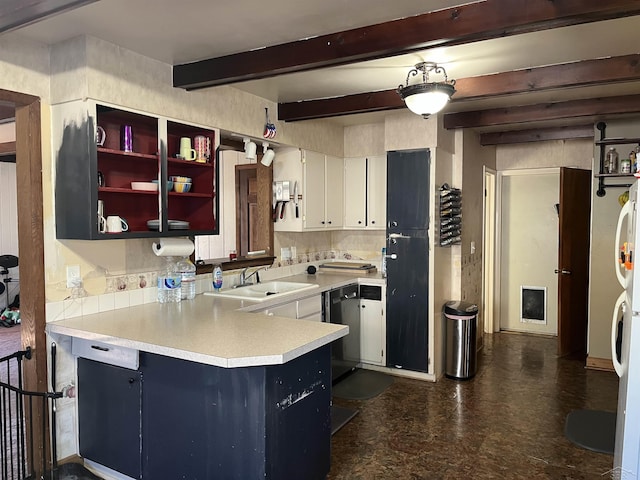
x,y
427,101
426,98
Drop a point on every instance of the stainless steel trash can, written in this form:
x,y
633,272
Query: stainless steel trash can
x,y
460,332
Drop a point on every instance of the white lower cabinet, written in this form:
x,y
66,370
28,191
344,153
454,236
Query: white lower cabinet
x,y
308,308
372,324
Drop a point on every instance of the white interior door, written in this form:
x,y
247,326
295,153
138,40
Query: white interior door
x,y
529,249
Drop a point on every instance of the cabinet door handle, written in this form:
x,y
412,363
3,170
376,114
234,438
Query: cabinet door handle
x,y
98,347
322,222
373,222
329,222
359,222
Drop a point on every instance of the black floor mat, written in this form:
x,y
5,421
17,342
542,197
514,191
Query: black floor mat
x,y
340,416
592,429
362,385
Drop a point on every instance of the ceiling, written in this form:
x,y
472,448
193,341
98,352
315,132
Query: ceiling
x,y
195,30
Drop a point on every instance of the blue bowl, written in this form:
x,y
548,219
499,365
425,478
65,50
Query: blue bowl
x,y
169,184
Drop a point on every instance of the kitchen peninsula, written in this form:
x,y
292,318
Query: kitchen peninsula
x,y
202,389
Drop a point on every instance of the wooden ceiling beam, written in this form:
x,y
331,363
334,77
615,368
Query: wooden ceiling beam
x,y
19,13
593,107
575,74
452,26
537,135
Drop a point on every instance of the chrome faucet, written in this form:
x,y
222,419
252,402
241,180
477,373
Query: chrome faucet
x,y
244,277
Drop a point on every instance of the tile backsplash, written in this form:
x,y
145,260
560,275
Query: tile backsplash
x,y
127,290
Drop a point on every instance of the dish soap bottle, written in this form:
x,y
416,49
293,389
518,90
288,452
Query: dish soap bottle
x,y
383,262
217,277
188,278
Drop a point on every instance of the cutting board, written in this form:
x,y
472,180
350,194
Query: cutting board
x,y
348,267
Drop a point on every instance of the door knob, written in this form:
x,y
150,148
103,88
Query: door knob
x,y
563,271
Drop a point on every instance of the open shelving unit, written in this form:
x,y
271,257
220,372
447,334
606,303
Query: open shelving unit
x,y
88,173
602,177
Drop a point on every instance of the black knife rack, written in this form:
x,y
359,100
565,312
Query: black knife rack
x,y
450,216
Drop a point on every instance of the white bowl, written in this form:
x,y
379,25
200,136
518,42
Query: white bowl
x,y
145,186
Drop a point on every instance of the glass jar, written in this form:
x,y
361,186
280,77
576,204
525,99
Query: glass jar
x,y
611,161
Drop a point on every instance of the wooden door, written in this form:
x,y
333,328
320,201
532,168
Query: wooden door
x,y
573,260
254,224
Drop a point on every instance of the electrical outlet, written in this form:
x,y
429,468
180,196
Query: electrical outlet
x,y
73,276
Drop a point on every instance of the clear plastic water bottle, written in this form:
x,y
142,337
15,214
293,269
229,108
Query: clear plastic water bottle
x,y
188,279
217,277
169,283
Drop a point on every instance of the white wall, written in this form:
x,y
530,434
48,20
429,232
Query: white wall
x,y
529,245
474,158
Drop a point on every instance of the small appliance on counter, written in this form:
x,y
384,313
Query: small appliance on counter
x,y
348,267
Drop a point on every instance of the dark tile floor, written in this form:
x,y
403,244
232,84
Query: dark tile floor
x,y
506,422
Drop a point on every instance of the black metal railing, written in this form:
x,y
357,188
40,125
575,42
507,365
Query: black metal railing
x,y
18,409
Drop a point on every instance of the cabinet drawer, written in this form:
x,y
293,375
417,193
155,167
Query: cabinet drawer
x,y
309,306
102,352
287,310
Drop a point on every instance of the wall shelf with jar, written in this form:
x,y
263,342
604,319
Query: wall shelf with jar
x,y
613,163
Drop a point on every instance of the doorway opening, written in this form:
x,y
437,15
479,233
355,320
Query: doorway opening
x,y
31,239
489,253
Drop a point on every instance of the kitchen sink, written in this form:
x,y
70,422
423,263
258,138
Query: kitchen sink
x,y
261,292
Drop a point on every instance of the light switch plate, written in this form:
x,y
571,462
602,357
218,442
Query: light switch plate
x,y
73,276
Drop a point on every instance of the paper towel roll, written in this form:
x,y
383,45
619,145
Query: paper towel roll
x,y
173,247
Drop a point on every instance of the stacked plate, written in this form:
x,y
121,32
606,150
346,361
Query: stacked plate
x,y
173,225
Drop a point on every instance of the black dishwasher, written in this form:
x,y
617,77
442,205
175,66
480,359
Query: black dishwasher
x,y
342,306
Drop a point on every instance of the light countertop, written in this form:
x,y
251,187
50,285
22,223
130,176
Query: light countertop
x,y
214,330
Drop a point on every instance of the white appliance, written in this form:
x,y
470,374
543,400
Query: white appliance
x,y
627,447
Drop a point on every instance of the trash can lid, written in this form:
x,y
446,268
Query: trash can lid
x,y
458,307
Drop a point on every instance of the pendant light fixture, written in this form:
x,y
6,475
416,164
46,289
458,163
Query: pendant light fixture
x,y
426,98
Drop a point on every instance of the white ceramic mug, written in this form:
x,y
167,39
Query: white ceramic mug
x,y
101,136
102,222
186,152
115,224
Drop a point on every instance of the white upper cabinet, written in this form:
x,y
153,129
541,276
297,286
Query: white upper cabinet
x,y
334,192
355,195
377,192
365,196
314,190
320,193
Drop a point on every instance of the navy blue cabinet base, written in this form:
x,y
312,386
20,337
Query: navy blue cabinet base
x,y
202,422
